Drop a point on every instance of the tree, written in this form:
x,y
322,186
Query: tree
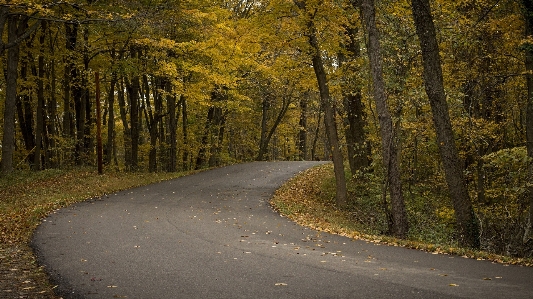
x,y
397,218
466,224
18,31
528,14
357,145
326,102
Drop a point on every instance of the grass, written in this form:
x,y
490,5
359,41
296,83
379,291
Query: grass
x,y
309,199
27,197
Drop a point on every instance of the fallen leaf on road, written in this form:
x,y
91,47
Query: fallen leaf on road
x,y
453,285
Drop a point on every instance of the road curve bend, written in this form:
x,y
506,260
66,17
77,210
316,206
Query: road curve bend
x,y
214,235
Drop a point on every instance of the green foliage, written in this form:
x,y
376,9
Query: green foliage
x,y
506,172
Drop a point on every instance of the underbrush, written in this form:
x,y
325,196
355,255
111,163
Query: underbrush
x,y
309,199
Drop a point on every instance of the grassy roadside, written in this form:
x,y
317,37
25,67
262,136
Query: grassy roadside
x,y
26,198
308,199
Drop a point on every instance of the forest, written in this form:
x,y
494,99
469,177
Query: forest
x,y
429,101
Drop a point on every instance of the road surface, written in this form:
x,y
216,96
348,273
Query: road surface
x,y
214,235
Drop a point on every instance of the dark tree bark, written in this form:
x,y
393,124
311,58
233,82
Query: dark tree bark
x,y
154,120
172,128
528,14
329,110
263,144
51,156
39,118
302,132
25,110
125,124
8,139
21,36
466,224
71,31
201,159
211,144
355,121
133,100
398,225
314,155
184,121
267,137
87,145
111,120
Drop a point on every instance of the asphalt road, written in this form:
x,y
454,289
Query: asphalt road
x,y
214,235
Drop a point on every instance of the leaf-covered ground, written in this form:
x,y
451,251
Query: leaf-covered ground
x,y
308,199
26,198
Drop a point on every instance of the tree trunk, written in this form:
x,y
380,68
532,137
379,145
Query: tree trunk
x,y
39,121
133,98
314,156
528,14
355,122
25,111
399,226
111,120
467,227
265,141
201,159
172,127
8,139
263,144
88,145
51,155
302,132
185,126
68,75
329,112
125,124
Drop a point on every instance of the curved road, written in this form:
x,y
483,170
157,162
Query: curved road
x,y
213,235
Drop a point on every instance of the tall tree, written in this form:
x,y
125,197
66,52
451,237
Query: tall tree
x,y
397,218
357,145
466,224
17,31
528,14
327,103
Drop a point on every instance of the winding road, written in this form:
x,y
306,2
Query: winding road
x,y
214,235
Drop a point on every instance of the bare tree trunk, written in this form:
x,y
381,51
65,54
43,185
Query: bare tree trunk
x,y
51,155
133,89
71,32
467,226
528,14
39,121
314,156
111,120
329,111
185,128
265,140
399,226
25,110
125,124
354,116
172,127
263,144
302,132
8,139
